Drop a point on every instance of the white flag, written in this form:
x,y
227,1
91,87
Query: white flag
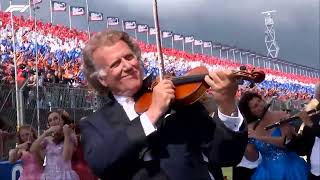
x,y
129,25
111,21
166,34
95,16
188,39
59,6
152,31
142,28
34,2
197,42
177,37
207,44
77,11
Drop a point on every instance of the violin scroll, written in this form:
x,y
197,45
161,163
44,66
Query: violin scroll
x,y
255,76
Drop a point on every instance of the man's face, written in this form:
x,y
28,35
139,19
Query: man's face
x,y
121,70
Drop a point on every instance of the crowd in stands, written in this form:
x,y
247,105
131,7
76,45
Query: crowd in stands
x,y
59,58
58,51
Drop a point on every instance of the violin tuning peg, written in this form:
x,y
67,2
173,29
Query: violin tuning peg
x,y
251,85
243,68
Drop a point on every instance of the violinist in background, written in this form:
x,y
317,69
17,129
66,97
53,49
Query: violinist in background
x,y
30,162
277,162
308,142
57,144
79,164
122,144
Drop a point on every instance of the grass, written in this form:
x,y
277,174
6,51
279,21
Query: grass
x,y
227,172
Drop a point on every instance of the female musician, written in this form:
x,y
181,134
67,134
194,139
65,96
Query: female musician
x,y
277,162
57,144
31,166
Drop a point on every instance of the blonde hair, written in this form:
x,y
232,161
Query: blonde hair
x,y
101,39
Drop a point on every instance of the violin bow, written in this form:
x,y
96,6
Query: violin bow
x,y
158,39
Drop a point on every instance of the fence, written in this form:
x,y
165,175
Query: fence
x,y
78,102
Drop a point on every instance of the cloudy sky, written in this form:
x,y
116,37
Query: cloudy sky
x,y
233,22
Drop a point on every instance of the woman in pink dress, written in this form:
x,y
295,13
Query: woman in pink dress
x,y
57,145
30,163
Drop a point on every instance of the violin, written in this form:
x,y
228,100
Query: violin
x,y
312,108
190,88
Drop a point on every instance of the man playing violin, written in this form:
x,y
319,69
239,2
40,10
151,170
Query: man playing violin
x,y
307,143
121,144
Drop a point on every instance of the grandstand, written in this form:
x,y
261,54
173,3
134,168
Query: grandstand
x,y
63,85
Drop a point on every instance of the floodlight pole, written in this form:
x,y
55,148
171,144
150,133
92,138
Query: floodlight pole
x,y
270,35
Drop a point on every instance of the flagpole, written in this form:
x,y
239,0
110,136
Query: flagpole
x,y
148,36
202,48
172,41
15,70
107,23
51,12
37,71
70,22
135,33
122,25
192,50
30,8
183,44
211,50
88,22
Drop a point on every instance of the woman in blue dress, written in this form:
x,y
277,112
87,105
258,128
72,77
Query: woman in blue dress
x,y
278,163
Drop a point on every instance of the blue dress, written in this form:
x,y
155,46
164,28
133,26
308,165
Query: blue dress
x,y
278,163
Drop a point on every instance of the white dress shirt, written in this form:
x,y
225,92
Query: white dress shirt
x,y
250,164
315,157
128,106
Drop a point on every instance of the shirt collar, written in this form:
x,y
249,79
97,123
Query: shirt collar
x,y
122,99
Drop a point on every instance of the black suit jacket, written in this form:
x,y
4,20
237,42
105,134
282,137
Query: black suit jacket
x,y
114,146
303,143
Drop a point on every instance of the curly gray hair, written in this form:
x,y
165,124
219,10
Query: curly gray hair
x,y
101,39
317,91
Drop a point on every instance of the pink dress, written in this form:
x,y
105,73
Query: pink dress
x,y
56,168
31,168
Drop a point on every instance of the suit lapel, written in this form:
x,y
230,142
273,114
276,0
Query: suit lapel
x,y
111,114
